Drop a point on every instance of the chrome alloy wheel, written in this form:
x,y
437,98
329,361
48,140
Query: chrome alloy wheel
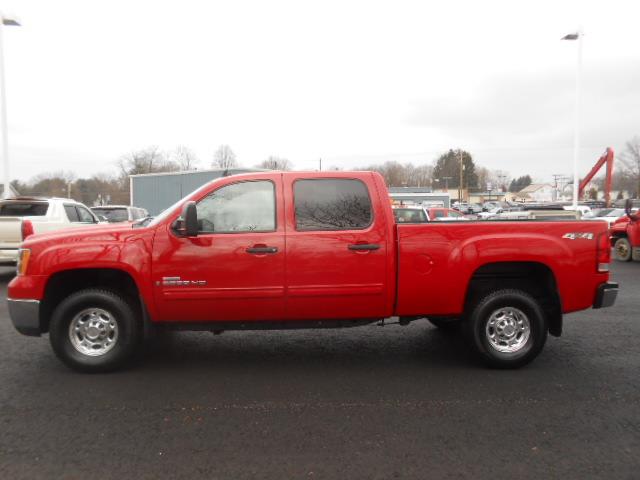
x,y
508,330
93,332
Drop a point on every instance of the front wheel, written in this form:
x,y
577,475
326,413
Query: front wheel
x,y
622,248
94,330
507,328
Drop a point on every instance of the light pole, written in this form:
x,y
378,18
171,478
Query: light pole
x,y
576,134
3,107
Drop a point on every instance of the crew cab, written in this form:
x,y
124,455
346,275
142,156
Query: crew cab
x,y
23,216
276,250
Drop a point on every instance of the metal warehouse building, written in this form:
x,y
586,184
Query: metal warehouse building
x,y
157,191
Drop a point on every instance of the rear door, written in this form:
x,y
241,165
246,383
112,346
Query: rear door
x,y
336,248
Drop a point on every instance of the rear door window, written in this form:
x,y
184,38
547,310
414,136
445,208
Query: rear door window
x,y
24,209
332,204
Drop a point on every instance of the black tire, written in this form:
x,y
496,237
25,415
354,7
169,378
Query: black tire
x,y
622,248
124,345
478,332
445,324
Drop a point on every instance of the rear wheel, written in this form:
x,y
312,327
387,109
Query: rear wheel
x,y
622,247
507,328
94,331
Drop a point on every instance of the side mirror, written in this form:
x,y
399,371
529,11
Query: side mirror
x,y
627,207
102,218
187,224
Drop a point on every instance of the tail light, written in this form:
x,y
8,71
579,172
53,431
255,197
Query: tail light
x,y
603,253
26,229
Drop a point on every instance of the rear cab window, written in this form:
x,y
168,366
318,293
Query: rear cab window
x,y
24,209
331,204
112,214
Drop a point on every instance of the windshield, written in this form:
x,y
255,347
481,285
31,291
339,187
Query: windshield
x,y
167,211
410,215
618,212
23,209
112,214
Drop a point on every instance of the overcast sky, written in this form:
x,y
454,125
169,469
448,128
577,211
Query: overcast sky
x,y
353,82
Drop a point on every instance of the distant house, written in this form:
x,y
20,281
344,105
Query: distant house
x,y
536,193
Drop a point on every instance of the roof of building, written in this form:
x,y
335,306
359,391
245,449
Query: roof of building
x,y
534,187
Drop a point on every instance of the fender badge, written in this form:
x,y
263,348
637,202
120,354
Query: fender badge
x,y
578,235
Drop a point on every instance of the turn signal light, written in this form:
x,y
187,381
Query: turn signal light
x,y
26,229
23,261
603,252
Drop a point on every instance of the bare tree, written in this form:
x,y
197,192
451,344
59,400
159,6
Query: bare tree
x,y
147,160
276,163
630,159
224,157
184,157
397,174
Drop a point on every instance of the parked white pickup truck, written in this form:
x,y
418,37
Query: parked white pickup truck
x,y
43,215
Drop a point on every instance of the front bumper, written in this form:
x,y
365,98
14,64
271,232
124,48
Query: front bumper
x,y
25,315
606,295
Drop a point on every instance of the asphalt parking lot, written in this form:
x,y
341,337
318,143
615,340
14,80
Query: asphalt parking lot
x,y
370,402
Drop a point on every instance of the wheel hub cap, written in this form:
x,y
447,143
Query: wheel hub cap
x,y
93,332
508,330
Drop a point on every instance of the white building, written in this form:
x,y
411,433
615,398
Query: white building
x,y
536,193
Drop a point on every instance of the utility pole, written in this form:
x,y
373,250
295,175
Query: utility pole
x,y
461,191
576,134
320,165
3,109
556,177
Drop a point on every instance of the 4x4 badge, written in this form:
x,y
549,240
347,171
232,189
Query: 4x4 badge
x,y
578,235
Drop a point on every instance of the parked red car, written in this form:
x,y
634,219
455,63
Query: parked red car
x,y
276,250
441,213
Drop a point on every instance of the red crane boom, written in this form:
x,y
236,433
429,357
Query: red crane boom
x,y
607,157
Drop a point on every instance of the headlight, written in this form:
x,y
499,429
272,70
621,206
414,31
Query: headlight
x,y
23,261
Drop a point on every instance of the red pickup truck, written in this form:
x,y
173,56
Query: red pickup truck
x,y
305,250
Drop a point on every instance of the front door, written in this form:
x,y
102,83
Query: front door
x,y
234,269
